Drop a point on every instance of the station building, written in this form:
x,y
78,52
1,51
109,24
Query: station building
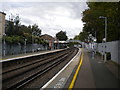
x,y
2,23
49,39
54,43
60,44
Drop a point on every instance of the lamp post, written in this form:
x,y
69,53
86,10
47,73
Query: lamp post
x,y
105,56
92,45
25,45
90,38
4,44
32,42
95,47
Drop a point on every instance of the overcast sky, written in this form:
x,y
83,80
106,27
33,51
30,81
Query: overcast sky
x,y
51,17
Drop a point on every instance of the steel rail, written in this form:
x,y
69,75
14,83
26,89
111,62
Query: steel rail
x,y
40,63
26,80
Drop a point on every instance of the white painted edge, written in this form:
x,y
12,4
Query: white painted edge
x,y
43,87
30,55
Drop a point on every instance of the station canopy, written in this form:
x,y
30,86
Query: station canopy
x,y
60,41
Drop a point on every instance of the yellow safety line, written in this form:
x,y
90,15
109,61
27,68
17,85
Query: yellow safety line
x,y
76,73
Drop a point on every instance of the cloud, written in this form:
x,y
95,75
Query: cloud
x,y
47,0
51,16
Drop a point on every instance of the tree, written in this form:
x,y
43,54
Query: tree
x,y
93,24
76,37
17,33
17,25
61,36
36,31
10,28
82,36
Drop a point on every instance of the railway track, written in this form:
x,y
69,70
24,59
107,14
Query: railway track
x,y
18,77
29,66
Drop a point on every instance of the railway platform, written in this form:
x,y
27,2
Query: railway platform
x,y
78,70
84,71
12,57
94,73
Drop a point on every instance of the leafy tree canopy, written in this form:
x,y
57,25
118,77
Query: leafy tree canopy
x,y
96,26
61,36
17,33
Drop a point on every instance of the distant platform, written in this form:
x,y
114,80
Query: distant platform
x,y
20,56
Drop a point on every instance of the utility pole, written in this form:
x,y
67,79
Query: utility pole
x,y
105,55
32,43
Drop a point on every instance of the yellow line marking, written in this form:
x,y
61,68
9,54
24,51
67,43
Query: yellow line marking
x,y
76,73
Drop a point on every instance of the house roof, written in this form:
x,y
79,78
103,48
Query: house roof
x,y
47,37
3,13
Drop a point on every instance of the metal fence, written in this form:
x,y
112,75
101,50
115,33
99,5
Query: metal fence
x,y
13,49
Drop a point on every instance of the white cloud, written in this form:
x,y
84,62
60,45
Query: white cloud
x,y
45,0
51,17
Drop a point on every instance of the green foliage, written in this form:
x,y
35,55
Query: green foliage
x,y
12,39
10,28
8,40
36,31
38,40
82,36
94,24
16,33
71,44
44,42
61,36
77,37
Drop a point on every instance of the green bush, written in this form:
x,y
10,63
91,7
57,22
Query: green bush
x,y
8,39
21,40
13,39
